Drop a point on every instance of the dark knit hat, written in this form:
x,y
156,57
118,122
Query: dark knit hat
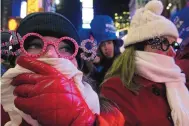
x,y
48,24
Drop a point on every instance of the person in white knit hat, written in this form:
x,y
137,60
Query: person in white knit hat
x,y
144,81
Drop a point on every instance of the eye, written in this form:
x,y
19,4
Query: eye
x,y
65,48
34,44
165,42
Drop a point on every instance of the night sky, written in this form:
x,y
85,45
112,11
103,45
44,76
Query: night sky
x,y
110,7
72,9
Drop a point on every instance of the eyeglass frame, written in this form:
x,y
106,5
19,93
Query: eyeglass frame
x,y
160,41
46,43
168,45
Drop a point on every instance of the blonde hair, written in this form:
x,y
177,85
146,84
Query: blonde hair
x,y
124,67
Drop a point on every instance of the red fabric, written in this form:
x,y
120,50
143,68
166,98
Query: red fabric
x,y
112,118
148,108
101,121
50,97
184,66
5,118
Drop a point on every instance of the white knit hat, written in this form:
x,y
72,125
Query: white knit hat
x,y
148,23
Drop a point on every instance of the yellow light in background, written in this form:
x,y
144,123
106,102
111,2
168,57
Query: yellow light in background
x,y
124,12
117,24
32,6
115,14
121,17
116,17
12,24
41,9
170,4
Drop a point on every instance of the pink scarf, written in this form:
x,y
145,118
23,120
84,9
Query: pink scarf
x,y
162,69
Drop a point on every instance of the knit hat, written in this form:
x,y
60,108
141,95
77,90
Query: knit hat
x,y
103,29
148,23
48,23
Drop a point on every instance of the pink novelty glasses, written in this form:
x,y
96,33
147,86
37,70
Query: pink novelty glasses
x,y
38,46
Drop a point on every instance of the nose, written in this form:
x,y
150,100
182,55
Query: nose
x,y
50,52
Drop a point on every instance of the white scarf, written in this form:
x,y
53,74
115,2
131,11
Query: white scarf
x,y
65,67
162,69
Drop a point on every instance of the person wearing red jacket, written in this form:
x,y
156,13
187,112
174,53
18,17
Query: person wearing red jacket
x,y
182,59
47,82
144,81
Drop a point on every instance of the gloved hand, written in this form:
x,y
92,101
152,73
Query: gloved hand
x,y
49,97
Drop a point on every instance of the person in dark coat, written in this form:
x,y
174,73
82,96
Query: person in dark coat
x,y
104,32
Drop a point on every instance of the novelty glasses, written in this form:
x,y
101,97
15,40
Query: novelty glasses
x,y
35,45
163,44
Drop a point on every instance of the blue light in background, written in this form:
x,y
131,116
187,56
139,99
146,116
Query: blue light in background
x,y
16,5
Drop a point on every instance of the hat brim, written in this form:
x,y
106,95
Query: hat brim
x,y
118,42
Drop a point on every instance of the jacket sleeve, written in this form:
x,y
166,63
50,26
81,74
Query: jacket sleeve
x,y
114,90
110,115
111,118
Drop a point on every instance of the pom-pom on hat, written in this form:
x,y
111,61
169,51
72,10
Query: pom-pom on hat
x,y
148,23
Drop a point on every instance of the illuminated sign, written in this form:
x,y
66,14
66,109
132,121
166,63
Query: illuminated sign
x,y
23,9
12,24
87,13
32,6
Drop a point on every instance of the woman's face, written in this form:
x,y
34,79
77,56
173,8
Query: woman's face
x,y
35,47
170,52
